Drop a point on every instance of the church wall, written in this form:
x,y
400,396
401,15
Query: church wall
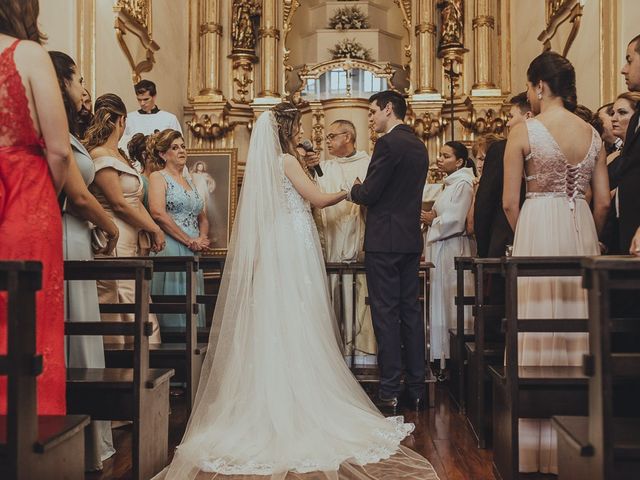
x,y
60,21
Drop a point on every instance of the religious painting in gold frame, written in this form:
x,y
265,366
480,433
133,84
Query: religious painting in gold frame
x,y
215,176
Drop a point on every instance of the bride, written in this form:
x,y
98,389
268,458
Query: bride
x,y
275,397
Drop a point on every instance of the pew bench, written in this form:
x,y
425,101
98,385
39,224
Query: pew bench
x,y
185,355
605,443
458,336
532,391
486,350
32,446
139,394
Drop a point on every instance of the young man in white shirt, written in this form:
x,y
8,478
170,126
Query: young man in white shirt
x,y
149,119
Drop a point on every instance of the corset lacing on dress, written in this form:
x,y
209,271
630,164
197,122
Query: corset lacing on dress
x,y
555,177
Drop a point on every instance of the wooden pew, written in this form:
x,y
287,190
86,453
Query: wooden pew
x,y
139,394
606,443
486,349
32,446
369,376
458,336
532,392
212,267
185,355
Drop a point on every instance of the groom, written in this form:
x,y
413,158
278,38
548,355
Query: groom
x,y
392,193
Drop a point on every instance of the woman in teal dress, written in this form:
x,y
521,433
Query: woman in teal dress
x,y
176,206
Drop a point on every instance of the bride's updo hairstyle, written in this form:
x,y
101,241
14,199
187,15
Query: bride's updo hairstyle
x,y
288,120
108,109
557,72
160,143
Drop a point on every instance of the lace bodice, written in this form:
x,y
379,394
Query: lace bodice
x,y
546,167
183,205
16,126
300,210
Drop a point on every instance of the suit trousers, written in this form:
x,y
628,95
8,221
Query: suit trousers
x,y
394,289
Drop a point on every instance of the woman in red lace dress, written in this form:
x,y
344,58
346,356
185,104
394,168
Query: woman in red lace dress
x,y
34,154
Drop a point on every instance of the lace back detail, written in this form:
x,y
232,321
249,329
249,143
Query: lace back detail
x,y
16,126
547,166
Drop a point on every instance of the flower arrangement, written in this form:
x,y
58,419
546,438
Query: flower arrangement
x,y
349,48
349,18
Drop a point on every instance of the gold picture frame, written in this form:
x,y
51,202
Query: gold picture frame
x,y
215,176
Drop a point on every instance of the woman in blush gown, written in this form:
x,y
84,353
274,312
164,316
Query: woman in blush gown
x,y
276,399
560,156
31,116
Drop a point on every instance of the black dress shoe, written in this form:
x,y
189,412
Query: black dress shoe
x,y
387,405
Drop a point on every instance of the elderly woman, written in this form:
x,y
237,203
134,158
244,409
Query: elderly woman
x,y
176,205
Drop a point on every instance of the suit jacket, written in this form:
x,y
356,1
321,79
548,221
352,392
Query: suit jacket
x,y
492,229
392,193
624,173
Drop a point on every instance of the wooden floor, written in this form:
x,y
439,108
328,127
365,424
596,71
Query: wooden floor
x,y
441,435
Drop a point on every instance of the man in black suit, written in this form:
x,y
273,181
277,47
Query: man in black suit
x,y
624,172
392,193
492,229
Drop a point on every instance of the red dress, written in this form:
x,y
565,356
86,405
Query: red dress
x,y
31,229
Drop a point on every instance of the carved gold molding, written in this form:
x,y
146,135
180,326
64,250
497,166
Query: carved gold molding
x,y
210,127
491,122
559,12
426,126
133,24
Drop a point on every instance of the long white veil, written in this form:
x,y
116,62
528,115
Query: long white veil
x,y
275,398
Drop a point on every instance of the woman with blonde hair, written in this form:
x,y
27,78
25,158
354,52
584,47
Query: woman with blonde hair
x,y
118,188
175,204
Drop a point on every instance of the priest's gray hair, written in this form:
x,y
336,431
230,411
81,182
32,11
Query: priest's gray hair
x,y
347,126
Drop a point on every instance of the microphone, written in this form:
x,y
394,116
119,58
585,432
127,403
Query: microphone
x,y
307,146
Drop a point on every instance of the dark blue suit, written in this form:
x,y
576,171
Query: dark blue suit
x,y
392,193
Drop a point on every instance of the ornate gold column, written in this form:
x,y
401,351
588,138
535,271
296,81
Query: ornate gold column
x,y
269,36
243,39
425,32
483,27
209,59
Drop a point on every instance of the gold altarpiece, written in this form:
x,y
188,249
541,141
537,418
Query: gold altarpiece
x,y
451,58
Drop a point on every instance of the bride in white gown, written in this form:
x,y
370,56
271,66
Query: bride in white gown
x,y
275,397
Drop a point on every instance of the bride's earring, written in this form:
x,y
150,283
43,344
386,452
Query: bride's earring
x,y
539,95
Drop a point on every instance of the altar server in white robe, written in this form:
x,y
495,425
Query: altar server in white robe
x,y
447,239
342,229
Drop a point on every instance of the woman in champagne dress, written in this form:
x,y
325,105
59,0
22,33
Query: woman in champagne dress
x,y
561,157
118,188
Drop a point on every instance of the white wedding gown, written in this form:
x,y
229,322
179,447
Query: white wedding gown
x,y
275,397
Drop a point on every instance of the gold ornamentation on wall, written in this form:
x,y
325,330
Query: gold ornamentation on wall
x,y
209,127
243,28
559,12
317,126
138,10
451,24
134,34
491,122
426,126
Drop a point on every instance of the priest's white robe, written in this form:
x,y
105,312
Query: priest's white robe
x,y
342,228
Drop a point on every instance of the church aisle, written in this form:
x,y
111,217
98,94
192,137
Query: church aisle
x,y
441,436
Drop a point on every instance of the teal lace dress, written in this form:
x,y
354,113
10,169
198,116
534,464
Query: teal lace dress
x,y
184,206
